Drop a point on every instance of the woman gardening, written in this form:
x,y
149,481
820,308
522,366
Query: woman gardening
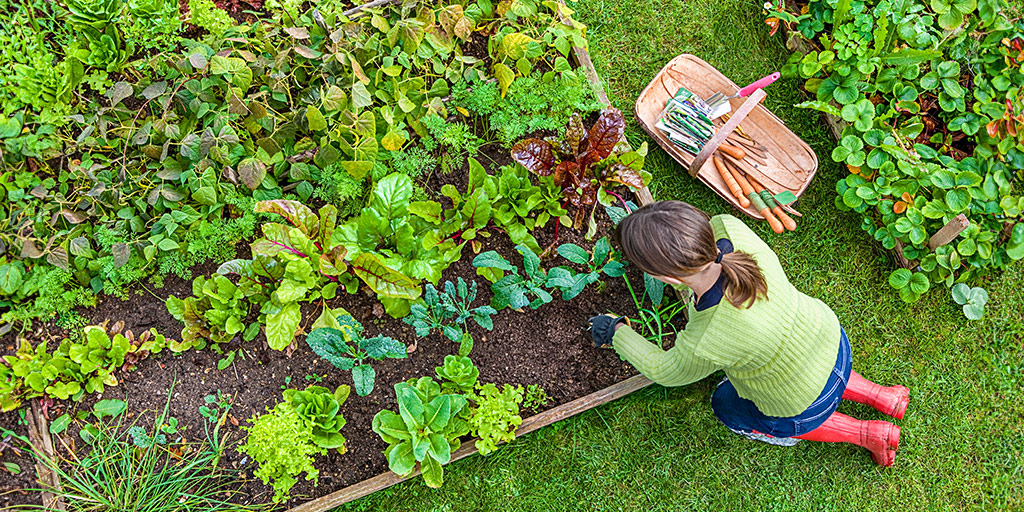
x,y
786,359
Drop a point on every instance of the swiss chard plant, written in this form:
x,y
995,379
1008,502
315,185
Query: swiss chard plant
x,y
572,283
425,430
514,290
216,312
509,201
585,162
384,244
448,312
338,338
76,367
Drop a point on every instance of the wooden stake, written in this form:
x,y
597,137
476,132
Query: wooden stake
x,y
951,230
42,444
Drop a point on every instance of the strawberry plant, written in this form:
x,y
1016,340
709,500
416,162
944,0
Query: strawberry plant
x,y
920,149
973,300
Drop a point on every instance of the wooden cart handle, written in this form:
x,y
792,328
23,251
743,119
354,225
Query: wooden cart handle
x,y
752,101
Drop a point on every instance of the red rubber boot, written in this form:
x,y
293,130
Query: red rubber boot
x,y
881,438
891,401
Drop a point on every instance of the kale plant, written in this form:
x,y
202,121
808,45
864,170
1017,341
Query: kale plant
x,y
513,290
338,338
448,311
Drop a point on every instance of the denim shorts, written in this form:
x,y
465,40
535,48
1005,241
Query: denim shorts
x,y
741,415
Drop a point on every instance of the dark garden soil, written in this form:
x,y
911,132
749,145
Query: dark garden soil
x,y
547,347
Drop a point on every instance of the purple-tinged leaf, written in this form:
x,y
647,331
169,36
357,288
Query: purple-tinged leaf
x,y
298,214
535,155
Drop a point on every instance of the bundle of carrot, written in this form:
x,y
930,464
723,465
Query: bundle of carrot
x,y
748,191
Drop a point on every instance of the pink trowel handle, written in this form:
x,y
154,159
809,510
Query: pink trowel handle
x,y
748,90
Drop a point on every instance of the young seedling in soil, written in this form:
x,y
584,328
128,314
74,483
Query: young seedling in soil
x,y
512,290
338,338
602,261
448,311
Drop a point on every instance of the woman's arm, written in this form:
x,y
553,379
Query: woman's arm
x,y
677,366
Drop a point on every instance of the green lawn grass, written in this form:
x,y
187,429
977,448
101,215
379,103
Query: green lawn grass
x,y
662,449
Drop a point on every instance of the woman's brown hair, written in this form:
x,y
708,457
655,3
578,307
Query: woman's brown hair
x,y
674,239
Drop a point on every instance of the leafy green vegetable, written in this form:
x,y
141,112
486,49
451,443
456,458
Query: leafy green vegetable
x,y
512,290
338,338
425,430
281,442
571,283
321,408
448,312
458,374
494,415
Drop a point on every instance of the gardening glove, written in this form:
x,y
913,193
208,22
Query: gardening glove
x,y
602,328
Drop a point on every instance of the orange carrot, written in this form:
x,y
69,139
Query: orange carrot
x,y
730,182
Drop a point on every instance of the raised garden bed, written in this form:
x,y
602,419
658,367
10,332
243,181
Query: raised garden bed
x,y
546,347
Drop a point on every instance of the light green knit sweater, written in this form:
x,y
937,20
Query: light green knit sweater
x,y
778,353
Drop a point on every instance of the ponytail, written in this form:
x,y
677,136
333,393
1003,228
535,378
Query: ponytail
x,y
674,239
746,282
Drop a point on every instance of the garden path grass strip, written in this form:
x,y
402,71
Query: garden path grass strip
x,y
535,422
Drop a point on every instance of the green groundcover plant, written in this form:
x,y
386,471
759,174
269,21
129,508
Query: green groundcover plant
x,y
930,97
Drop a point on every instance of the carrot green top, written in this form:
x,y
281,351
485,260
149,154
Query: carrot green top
x,y
778,353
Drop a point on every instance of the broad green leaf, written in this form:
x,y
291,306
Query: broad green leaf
x,y
108,407
401,459
899,278
363,376
384,280
281,326
315,119
493,260
574,253
504,75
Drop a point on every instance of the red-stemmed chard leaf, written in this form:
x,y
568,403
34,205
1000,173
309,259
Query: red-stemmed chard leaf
x,y
625,175
605,134
575,134
535,155
566,170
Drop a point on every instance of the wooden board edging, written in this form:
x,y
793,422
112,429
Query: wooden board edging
x,y
535,422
